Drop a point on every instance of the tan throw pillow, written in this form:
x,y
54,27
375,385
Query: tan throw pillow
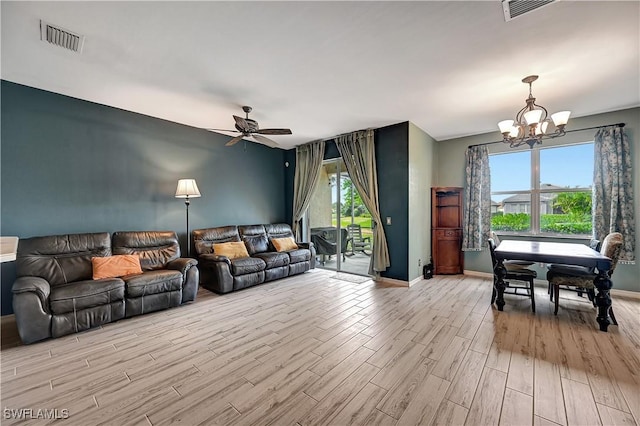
x,y
232,250
115,266
284,244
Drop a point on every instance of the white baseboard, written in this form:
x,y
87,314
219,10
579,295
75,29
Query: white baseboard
x,y
477,274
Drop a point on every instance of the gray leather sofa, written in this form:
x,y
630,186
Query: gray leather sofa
x,y
55,294
223,275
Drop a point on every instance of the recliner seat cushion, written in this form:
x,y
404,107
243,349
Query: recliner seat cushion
x,y
247,265
85,294
299,255
274,260
152,282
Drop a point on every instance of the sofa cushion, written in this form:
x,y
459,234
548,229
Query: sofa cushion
x,y
152,282
247,265
61,259
284,244
299,255
85,294
274,260
155,248
232,250
115,266
256,243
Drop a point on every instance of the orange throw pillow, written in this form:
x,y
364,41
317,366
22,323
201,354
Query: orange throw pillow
x,y
232,250
115,266
284,244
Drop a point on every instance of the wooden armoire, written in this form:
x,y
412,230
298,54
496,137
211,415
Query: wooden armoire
x,y
446,230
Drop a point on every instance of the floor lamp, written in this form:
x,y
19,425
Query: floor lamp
x,y
187,188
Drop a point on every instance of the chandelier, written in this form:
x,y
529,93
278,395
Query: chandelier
x,y
531,123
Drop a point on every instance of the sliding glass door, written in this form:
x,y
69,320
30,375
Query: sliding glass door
x,y
340,224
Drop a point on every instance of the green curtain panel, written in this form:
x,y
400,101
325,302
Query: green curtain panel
x,y
358,152
476,223
308,164
613,208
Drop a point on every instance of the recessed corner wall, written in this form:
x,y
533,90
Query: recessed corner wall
x,y
71,166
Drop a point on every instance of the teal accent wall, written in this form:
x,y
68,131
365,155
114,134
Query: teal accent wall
x,y
451,173
392,162
71,166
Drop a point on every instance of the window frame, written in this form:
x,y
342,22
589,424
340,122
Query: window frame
x,y
535,191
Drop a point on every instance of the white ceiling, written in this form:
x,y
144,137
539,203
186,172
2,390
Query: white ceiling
x,y
324,68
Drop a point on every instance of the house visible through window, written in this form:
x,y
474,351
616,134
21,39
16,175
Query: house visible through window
x,y
543,191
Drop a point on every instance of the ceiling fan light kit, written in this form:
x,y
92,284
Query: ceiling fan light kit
x,y
249,128
531,122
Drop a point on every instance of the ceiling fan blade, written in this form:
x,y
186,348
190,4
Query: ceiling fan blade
x,y
265,140
222,130
234,140
241,123
274,131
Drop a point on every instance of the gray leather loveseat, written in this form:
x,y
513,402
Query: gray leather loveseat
x,y
222,275
55,294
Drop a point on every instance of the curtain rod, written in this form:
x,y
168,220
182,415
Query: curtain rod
x,y
337,136
568,131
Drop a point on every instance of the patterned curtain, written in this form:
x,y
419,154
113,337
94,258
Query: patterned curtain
x,y
476,223
308,166
613,208
358,153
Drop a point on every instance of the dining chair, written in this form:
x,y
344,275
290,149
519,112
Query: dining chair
x,y
358,243
512,263
571,277
593,244
514,273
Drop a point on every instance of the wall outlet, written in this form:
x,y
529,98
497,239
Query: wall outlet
x,y
419,262
388,220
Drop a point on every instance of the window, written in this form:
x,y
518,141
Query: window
x,y
543,191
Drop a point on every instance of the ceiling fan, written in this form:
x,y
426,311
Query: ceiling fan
x,y
250,129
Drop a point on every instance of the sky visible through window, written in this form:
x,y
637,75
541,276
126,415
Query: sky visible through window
x,y
567,166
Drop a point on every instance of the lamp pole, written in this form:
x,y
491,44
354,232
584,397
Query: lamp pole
x,y
187,188
186,203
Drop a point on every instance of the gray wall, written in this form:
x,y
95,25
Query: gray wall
x,y
451,173
71,166
421,176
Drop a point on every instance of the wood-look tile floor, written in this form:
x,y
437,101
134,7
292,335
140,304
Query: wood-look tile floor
x,y
313,350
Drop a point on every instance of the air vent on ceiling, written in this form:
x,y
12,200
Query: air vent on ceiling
x,y
514,8
60,37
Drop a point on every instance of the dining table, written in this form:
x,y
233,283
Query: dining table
x,y
554,252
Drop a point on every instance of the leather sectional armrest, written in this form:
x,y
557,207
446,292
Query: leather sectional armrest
x,y
305,245
182,264
37,285
214,258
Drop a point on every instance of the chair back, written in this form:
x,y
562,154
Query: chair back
x,y
354,231
611,247
492,248
495,238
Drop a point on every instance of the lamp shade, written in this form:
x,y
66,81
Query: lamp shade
x,y
533,116
560,118
187,188
505,126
